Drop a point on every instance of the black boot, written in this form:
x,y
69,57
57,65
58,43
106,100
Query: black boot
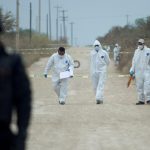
x,y
140,103
99,102
62,103
148,102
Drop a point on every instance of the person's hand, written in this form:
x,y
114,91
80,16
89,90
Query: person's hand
x,y
131,73
45,75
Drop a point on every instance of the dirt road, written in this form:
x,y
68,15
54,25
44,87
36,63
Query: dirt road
x,y
118,124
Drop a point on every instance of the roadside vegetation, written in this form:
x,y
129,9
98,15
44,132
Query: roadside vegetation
x,y
127,38
32,45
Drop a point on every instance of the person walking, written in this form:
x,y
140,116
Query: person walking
x,y
116,52
140,69
99,62
61,63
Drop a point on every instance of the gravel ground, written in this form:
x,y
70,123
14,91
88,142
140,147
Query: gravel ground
x,y
118,124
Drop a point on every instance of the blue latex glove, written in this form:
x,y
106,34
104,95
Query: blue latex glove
x,y
131,73
45,75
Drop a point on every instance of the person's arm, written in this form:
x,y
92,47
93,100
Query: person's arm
x,y
71,63
107,59
132,69
114,50
49,65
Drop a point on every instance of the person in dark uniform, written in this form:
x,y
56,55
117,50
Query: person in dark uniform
x,y
15,100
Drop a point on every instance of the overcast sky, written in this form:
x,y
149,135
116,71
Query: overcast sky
x,y
92,18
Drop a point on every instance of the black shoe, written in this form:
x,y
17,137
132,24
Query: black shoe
x,y
148,102
140,103
62,103
99,102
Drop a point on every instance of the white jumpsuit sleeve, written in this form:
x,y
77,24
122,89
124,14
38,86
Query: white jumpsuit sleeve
x,y
49,64
107,59
71,63
132,69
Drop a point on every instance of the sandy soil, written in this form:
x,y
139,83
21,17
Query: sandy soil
x,y
118,124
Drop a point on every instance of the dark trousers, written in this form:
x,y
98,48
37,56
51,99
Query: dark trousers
x,y
8,141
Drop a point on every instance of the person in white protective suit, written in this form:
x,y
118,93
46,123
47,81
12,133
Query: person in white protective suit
x,y
108,49
99,62
116,52
61,62
141,71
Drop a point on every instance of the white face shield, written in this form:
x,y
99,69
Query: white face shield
x,y
97,45
140,45
97,48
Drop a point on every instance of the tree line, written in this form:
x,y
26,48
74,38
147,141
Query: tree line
x,y
39,40
127,38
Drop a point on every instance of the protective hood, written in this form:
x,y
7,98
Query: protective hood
x,y
116,45
141,41
97,43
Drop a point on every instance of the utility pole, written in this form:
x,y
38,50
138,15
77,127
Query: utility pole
x,y
17,24
37,23
47,24
64,20
50,22
71,33
39,16
60,32
127,16
30,22
57,15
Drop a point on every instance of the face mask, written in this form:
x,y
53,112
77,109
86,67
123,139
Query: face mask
x,y
61,57
141,47
97,48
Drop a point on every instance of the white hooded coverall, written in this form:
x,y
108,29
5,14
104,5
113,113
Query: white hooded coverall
x,y
116,51
108,49
59,64
99,62
141,69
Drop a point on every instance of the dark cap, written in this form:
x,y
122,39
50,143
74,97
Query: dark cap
x,y
61,49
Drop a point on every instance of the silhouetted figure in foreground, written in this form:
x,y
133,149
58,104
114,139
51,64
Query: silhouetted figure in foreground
x,y
15,100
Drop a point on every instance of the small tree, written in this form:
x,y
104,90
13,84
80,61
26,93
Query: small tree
x,y
7,20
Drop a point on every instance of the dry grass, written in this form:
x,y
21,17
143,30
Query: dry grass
x,y
31,56
125,62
